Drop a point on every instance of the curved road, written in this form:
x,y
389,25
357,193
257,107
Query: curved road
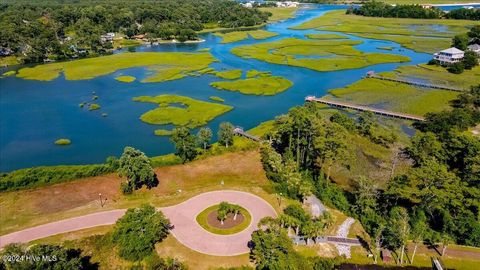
x,y
182,216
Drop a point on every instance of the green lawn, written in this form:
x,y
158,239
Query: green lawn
x,y
163,66
417,34
267,86
202,219
235,36
320,55
181,111
127,79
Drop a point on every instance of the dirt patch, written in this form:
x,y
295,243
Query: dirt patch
x,y
228,223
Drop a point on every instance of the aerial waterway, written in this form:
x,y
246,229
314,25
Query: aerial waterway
x,y
33,114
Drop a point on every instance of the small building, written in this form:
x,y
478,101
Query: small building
x,y
449,56
108,37
287,4
474,48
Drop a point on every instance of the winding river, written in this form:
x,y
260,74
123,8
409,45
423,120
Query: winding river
x,y
33,114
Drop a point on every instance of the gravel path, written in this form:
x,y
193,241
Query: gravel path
x,y
343,232
182,216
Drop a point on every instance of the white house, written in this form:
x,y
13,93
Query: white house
x,y
107,37
474,48
449,56
289,4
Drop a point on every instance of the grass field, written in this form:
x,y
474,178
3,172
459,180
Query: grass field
x,y
239,171
229,74
320,55
126,79
163,65
416,34
456,259
266,85
394,96
230,37
181,111
279,14
202,220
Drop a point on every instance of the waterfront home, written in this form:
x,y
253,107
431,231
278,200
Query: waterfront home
x,y
108,37
474,48
449,56
287,4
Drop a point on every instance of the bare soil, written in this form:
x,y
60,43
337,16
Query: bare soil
x,y
228,223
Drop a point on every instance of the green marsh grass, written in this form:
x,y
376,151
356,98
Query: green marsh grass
x,y
163,66
193,113
266,86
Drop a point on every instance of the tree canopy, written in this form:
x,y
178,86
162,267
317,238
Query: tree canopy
x,y
136,167
138,230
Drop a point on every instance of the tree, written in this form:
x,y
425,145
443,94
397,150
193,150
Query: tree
x,y
330,145
274,250
456,68
398,229
204,136
470,60
460,42
55,257
446,240
138,230
419,230
136,167
225,134
366,195
185,144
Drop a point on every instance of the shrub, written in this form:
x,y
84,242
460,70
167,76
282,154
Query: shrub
x,y
456,68
48,175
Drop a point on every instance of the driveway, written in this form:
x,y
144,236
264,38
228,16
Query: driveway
x,y
182,216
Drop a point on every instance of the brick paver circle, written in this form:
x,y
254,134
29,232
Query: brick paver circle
x,y
182,216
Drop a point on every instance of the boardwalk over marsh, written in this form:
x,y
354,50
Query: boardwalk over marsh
x,y
365,109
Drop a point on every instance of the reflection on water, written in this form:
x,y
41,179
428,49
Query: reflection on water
x,y
33,114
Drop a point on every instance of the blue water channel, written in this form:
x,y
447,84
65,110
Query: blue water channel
x,y
33,114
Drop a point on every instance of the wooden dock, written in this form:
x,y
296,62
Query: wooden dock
x,y
239,131
425,85
365,109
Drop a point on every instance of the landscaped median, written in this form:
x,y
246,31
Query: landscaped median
x,y
210,220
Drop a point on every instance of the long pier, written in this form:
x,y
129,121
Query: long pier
x,y
365,109
239,131
425,85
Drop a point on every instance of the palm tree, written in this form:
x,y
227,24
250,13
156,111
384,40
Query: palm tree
x,y
269,223
235,209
